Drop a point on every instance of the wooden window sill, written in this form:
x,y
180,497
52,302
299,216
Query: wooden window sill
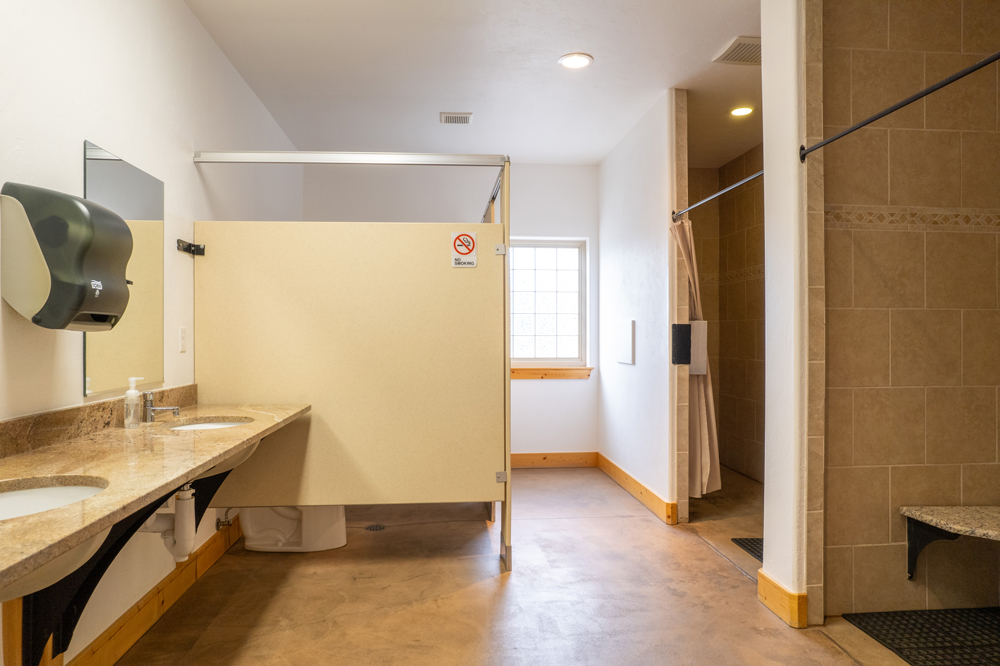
x,y
550,373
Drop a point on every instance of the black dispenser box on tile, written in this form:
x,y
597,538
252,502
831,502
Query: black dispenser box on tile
x,y
64,259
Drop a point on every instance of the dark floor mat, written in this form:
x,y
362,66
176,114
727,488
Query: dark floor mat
x,y
960,637
753,546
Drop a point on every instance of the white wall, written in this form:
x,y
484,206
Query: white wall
x,y
785,295
546,201
636,196
144,81
550,201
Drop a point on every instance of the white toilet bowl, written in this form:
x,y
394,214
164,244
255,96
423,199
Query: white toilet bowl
x,y
293,529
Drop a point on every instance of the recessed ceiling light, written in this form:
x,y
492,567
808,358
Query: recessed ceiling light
x,y
576,60
742,111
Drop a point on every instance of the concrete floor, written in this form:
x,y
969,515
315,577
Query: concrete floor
x,y
597,580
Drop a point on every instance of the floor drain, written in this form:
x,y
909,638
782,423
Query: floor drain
x,y
375,528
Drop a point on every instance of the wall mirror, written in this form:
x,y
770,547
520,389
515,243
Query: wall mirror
x,y
133,348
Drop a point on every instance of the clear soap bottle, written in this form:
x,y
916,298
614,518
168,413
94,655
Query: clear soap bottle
x,y
133,404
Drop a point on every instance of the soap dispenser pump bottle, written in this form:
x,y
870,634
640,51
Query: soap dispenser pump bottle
x,y
133,404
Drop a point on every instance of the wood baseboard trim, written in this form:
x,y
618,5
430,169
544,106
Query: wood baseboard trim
x,y
550,373
791,607
572,459
662,509
116,640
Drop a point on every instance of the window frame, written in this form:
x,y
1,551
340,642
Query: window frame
x,y
582,244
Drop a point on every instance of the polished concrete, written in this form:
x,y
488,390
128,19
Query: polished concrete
x,y
597,580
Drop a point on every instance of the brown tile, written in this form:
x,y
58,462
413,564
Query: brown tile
x,y
815,242
748,338
858,24
758,201
967,104
734,377
755,380
839,251
761,332
837,86
816,471
962,574
880,582
888,269
925,25
926,347
888,426
880,79
857,167
857,505
760,422
838,578
727,215
857,348
961,270
736,250
981,485
816,398
744,208
980,170
754,461
981,26
754,159
755,298
724,256
730,338
817,324
755,245
961,425
922,485
814,547
925,169
736,301
839,427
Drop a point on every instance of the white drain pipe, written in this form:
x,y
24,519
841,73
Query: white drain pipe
x,y
176,529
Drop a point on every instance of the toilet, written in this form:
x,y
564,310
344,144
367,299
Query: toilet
x,y
293,529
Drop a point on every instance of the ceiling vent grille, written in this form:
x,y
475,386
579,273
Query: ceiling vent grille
x,y
452,118
741,51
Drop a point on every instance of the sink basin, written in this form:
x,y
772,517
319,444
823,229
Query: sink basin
x,y
23,497
211,423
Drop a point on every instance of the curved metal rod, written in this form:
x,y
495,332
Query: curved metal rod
x,y
676,216
803,151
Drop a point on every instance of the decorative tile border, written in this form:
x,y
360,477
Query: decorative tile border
x,y
27,433
901,218
741,275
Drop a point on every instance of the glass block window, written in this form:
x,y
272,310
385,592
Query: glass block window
x,y
548,302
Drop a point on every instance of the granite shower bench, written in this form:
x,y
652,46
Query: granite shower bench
x,y
926,524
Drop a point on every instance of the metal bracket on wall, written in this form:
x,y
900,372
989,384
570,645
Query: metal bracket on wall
x,y
501,477
190,248
918,536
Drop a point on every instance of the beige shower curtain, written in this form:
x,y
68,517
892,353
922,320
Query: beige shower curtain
x,y
703,443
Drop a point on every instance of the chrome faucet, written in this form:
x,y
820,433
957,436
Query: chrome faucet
x,y
149,412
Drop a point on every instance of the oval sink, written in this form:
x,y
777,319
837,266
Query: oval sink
x,y
211,423
23,497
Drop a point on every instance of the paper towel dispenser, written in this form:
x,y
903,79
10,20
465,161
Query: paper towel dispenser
x,y
63,259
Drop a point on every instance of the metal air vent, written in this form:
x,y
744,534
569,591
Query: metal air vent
x,y
455,118
741,51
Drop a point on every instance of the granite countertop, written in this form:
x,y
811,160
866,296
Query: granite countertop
x,y
138,465
977,521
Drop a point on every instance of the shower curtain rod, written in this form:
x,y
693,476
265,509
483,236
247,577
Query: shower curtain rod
x,y
676,216
803,151
322,157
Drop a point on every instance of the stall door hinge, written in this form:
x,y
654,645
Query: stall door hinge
x,y
190,248
501,249
501,477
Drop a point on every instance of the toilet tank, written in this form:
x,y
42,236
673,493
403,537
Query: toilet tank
x,y
63,259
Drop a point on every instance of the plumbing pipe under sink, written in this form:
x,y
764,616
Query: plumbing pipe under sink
x,y
177,529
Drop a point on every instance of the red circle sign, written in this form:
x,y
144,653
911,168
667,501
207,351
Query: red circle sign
x,y
464,244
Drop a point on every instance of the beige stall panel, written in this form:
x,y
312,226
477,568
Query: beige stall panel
x,y
401,356
133,348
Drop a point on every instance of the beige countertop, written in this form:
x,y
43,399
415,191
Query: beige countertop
x,y
977,521
139,466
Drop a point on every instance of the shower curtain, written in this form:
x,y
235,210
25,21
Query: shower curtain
x,y
703,443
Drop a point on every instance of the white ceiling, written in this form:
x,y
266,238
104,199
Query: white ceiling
x,y
373,75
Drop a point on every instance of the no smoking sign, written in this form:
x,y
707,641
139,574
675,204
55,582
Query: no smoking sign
x,y
463,250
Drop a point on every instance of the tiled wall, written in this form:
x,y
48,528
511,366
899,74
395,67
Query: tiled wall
x,y
741,315
912,218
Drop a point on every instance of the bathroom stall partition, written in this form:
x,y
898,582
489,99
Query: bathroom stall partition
x,y
401,353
